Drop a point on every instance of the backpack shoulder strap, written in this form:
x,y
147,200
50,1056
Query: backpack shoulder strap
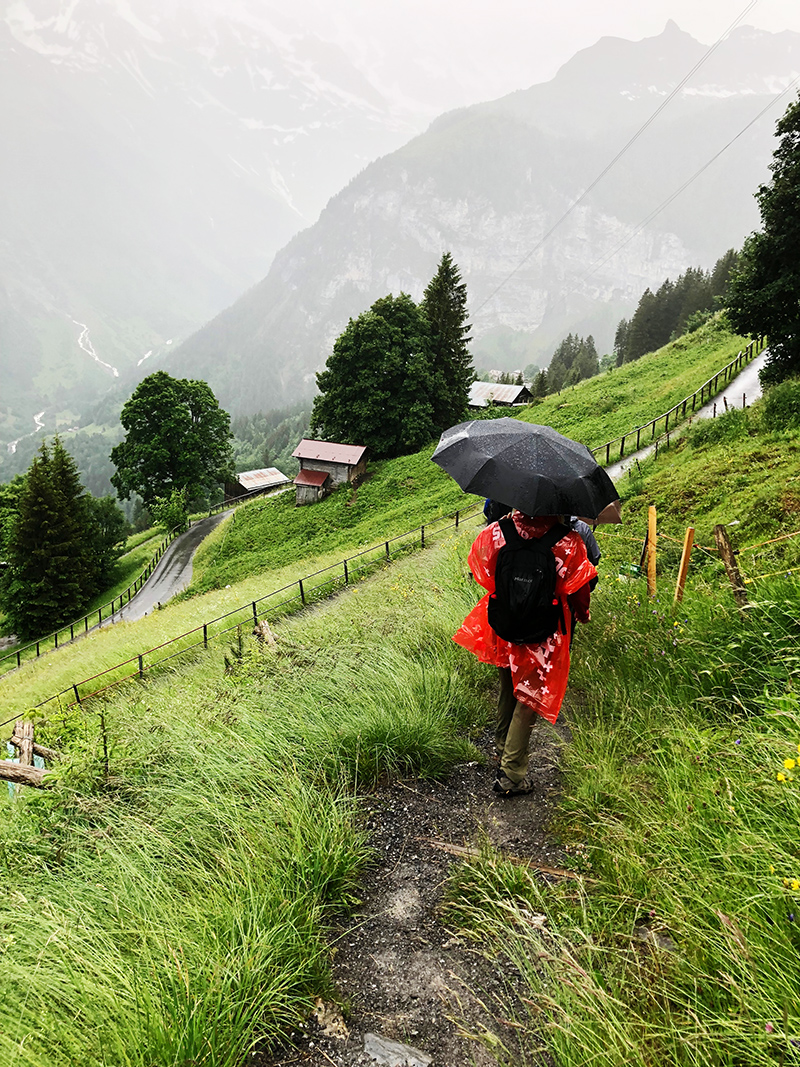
x,y
554,535
510,532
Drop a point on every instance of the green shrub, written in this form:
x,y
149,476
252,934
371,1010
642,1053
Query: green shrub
x,y
730,426
781,406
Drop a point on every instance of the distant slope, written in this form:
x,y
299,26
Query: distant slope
x,y
488,182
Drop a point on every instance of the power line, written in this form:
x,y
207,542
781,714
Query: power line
x,y
665,203
664,103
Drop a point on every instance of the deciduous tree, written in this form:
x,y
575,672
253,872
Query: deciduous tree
x,y
177,437
376,389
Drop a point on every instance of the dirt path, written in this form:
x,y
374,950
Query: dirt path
x,y
404,975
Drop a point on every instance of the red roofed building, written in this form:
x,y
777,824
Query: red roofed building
x,y
344,463
311,486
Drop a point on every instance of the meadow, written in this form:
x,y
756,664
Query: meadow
x,y
168,901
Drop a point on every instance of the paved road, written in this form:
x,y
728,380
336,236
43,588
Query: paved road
x,y
173,573
744,385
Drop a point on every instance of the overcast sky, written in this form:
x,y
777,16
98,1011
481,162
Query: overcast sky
x,y
486,48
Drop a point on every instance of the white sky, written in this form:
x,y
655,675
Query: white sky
x,y
485,48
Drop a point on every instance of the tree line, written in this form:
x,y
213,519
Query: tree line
x,y
400,372
675,308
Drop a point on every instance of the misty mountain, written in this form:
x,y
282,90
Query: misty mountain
x,y
154,160
488,183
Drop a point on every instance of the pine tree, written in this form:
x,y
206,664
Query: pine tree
x,y
50,573
764,295
444,305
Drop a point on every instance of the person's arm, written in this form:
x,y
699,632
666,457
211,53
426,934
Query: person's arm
x,y
579,602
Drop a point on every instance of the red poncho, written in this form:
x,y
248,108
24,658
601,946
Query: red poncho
x,y
539,672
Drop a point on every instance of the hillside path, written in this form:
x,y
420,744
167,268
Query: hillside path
x,y
745,385
404,974
172,574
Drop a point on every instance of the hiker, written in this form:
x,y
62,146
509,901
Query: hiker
x,y
533,677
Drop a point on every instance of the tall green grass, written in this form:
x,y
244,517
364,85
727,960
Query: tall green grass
x,y
172,908
679,941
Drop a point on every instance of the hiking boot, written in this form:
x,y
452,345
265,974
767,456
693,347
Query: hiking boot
x,y
506,788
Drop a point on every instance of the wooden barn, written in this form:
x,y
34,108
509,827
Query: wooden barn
x,y
481,393
251,482
311,486
344,463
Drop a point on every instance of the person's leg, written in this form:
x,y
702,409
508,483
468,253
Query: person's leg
x,y
506,703
514,762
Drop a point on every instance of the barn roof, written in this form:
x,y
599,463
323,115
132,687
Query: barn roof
x,y
480,393
329,452
264,478
307,477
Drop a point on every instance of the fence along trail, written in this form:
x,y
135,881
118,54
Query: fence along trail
x,y
707,390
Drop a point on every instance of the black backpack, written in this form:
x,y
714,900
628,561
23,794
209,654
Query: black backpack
x,y
524,608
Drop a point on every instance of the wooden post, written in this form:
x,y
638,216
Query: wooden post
x,y
729,559
651,551
688,541
24,732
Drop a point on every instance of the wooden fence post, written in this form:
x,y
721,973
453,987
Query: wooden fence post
x,y
729,559
651,551
688,541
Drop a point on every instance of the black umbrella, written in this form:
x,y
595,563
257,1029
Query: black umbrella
x,y
532,468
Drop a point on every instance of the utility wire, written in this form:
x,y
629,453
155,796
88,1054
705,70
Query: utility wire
x,y
665,203
664,103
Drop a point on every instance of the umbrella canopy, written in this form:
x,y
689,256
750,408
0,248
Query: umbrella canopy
x,y
532,468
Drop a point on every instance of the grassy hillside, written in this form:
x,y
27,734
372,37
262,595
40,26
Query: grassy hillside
x,y
602,408
678,945
182,897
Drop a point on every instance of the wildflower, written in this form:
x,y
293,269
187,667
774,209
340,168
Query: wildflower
x,y
781,776
795,885
790,764
738,741
771,869
769,1028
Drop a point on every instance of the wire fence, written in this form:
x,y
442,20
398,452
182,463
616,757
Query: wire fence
x,y
271,608
80,627
646,434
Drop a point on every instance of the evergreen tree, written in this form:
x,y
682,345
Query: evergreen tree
x,y
377,386
50,572
444,305
621,341
540,387
764,296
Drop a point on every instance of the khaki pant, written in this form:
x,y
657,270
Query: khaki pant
x,y
513,731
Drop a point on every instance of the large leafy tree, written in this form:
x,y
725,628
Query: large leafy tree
x,y
764,293
50,570
444,305
376,389
177,437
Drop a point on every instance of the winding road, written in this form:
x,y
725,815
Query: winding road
x,y
172,574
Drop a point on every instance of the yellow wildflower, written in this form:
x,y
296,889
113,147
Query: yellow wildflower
x,y
790,764
781,776
771,869
795,884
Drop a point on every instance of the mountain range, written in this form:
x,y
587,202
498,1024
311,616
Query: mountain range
x,y
156,156
508,188
160,162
